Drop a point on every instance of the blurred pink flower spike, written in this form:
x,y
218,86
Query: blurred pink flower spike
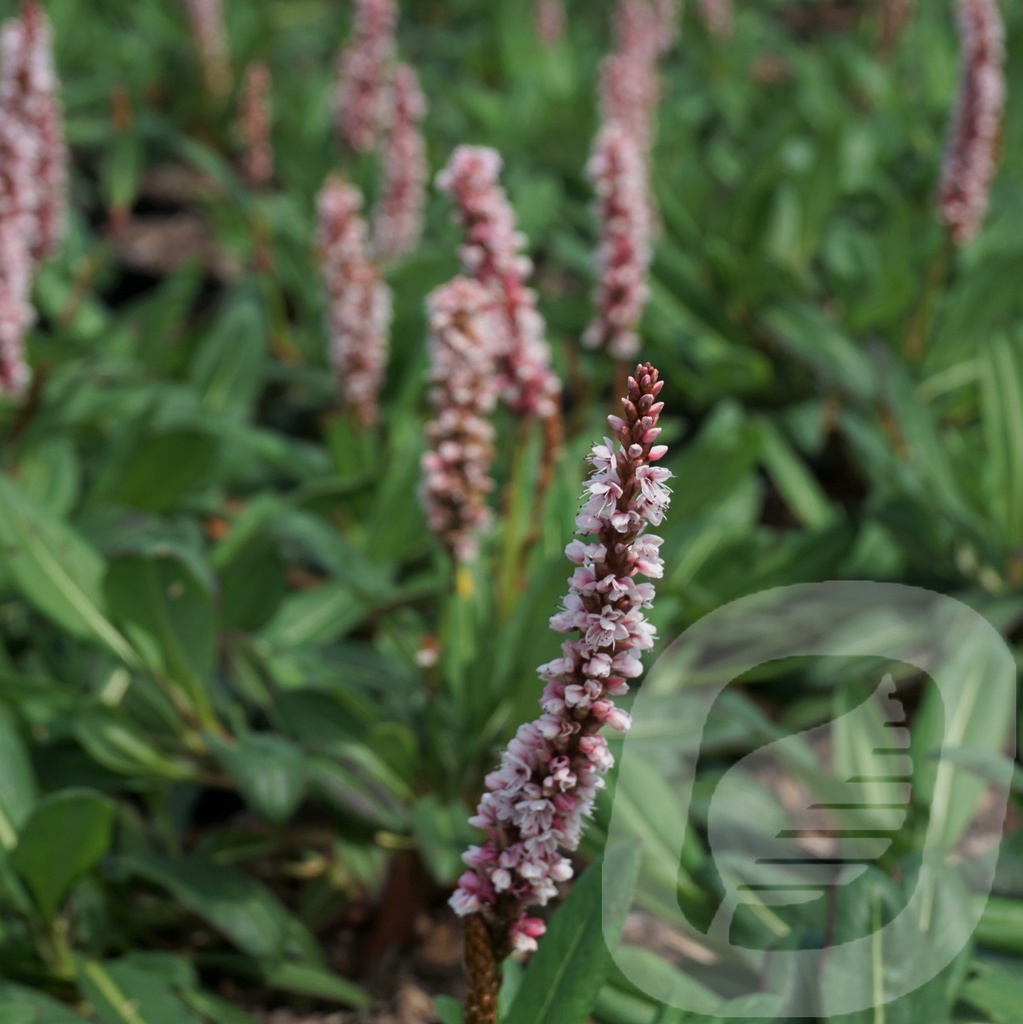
x,y
33,180
493,254
256,125
616,169
549,21
971,153
209,35
398,220
538,799
363,74
465,327
717,18
358,301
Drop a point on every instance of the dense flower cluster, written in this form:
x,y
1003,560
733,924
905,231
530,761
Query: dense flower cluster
x,y
256,123
398,221
971,153
549,21
363,74
623,257
33,179
538,799
717,18
359,314
492,254
206,20
465,325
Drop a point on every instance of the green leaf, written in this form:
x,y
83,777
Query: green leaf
x,y
977,717
320,615
46,857
17,783
214,1009
120,993
237,906
927,452
1001,393
162,468
794,481
50,473
450,1011
116,742
317,982
997,992
987,764
55,569
1001,925
228,366
270,772
564,977
442,833
19,1005
168,611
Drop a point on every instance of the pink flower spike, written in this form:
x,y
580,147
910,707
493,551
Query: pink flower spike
x,y
45,121
492,254
972,149
256,123
539,799
623,257
33,180
359,303
549,20
209,34
398,222
465,326
363,69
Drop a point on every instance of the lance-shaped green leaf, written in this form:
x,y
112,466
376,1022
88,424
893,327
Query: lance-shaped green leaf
x,y
17,783
565,975
19,1005
270,772
168,610
55,570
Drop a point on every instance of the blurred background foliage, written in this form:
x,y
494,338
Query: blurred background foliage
x,y
243,708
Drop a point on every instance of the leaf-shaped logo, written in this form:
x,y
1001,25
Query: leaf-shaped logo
x,y
830,828
780,856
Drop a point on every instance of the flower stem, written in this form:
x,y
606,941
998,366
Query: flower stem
x,y
483,972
